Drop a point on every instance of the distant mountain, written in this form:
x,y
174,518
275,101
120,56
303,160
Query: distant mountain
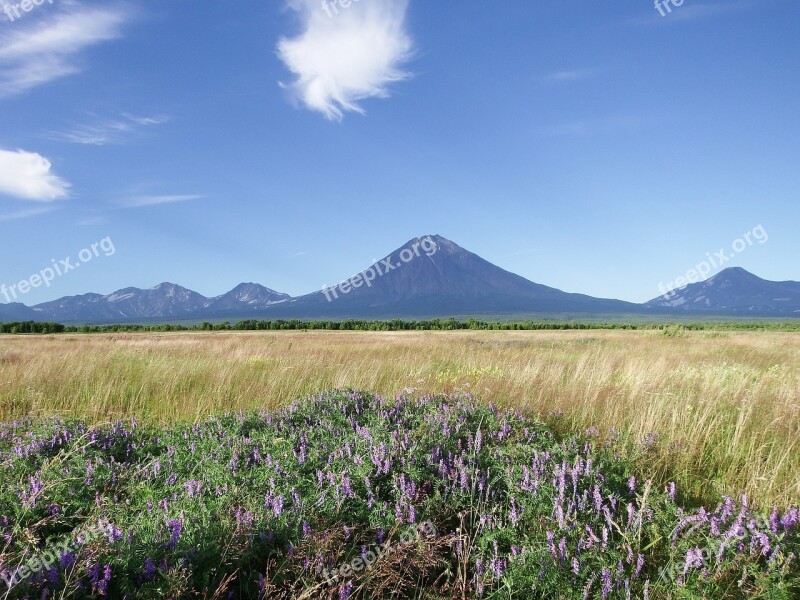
x,y
432,276
17,312
86,307
246,297
734,291
426,277
162,301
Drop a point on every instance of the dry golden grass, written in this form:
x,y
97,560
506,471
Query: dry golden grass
x,y
724,407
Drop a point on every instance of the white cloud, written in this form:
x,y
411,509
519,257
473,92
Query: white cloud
x,y
141,201
572,75
694,12
90,221
701,11
50,48
27,175
600,126
105,131
26,213
345,55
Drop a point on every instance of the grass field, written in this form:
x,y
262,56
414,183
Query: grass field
x,y
717,412
352,496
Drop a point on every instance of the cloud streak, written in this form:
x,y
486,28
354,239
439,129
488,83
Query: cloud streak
x,y
695,12
346,55
701,11
142,201
571,75
28,176
599,126
106,131
51,48
26,213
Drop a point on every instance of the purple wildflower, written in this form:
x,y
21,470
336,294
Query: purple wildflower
x,y
605,577
176,528
344,591
671,490
694,559
149,569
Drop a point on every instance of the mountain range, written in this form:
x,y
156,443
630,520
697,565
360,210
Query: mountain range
x,y
426,277
734,291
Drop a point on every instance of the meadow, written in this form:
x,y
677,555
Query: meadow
x,y
493,464
720,411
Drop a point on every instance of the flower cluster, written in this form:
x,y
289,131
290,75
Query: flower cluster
x,y
268,505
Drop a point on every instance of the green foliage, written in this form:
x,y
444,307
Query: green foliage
x,y
261,506
450,324
674,331
32,327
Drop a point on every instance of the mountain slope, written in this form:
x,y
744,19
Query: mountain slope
x,y
439,277
245,297
17,312
426,277
734,291
164,300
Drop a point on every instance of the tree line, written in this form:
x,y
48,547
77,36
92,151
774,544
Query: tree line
x,y
451,324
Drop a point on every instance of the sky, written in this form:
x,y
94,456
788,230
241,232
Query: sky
x,y
597,147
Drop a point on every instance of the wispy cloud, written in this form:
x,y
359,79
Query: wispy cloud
x,y
106,131
52,47
87,222
691,12
695,11
571,75
599,126
346,55
142,201
26,213
28,175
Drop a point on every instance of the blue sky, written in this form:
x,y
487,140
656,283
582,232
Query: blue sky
x,y
596,147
